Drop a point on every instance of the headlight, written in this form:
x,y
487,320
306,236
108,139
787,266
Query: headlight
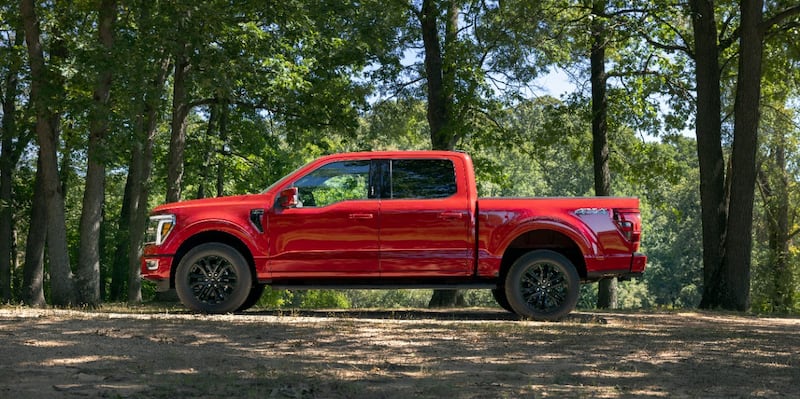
x,y
159,228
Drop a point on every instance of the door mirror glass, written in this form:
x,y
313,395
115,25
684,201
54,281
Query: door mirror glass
x,y
288,198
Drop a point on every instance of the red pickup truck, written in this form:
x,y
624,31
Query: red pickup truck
x,y
394,219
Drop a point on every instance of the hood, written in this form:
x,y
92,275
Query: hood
x,y
251,200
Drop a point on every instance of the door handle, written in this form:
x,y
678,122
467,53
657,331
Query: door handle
x,y
450,215
360,216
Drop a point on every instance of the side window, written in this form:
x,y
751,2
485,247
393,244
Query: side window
x,y
334,182
422,178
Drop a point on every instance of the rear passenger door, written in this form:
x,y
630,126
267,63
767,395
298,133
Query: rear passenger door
x,y
425,222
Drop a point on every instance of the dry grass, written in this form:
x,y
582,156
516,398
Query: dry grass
x,y
470,353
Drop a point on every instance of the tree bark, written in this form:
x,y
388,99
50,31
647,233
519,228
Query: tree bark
x,y
607,288
708,127
88,274
437,111
33,271
47,138
119,265
9,155
736,263
223,138
440,81
177,143
140,171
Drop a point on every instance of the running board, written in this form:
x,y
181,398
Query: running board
x,y
376,285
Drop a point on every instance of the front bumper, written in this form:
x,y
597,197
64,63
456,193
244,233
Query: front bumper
x,y
156,268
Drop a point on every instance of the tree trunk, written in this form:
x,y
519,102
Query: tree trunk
x,y
139,173
437,110
440,100
9,155
607,288
47,137
177,143
88,274
708,127
33,271
223,138
735,273
119,266
209,149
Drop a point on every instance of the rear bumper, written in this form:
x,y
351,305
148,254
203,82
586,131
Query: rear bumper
x,y
636,269
638,263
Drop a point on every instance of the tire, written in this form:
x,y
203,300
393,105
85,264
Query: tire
x,y
252,297
542,285
499,295
213,278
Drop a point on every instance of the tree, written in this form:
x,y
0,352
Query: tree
x,y
88,275
726,196
731,286
180,103
52,214
13,141
607,289
727,268
440,81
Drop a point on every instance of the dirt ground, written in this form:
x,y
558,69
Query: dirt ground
x,y
467,353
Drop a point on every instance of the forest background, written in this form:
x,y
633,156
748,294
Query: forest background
x,y
110,107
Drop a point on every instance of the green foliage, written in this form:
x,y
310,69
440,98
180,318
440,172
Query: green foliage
x,y
388,298
324,299
671,225
272,298
775,264
634,294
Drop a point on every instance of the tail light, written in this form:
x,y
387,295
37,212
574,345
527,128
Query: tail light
x,y
629,222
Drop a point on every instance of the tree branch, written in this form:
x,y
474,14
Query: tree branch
x,y
778,18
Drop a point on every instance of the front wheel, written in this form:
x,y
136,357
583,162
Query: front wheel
x,y
213,278
542,285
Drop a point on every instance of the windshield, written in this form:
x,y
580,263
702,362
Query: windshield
x,y
281,180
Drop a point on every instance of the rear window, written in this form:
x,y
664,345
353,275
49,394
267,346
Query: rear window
x,y
422,178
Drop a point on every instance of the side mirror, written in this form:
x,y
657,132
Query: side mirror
x,y
288,198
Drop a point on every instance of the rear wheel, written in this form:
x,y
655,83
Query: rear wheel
x,y
213,278
542,285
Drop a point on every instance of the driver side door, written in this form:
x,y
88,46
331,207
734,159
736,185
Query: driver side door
x,y
333,231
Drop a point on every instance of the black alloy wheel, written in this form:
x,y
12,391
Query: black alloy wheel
x,y
542,285
213,278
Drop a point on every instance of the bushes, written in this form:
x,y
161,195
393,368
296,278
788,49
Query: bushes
x,y
347,299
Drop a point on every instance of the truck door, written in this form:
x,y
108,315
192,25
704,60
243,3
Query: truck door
x,y
425,222
333,229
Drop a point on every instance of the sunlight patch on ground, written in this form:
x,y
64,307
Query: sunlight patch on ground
x,y
76,360
46,344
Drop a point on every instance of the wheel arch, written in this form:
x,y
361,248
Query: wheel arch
x,y
544,238
209,237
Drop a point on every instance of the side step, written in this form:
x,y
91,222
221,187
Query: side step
x,y
375,284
